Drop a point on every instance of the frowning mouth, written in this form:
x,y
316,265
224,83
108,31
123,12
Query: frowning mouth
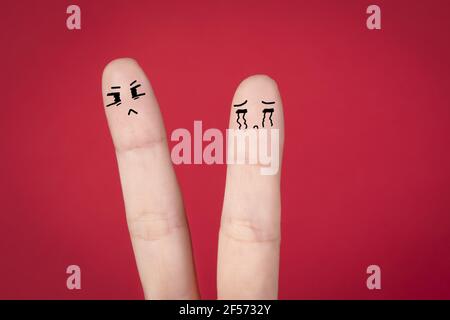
x,y
131,110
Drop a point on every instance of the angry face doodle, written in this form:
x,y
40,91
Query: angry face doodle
x,y
117,101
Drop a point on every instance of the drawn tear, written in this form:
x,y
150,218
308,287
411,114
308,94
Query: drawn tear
x,y
270,116
243,111
238,115
245,120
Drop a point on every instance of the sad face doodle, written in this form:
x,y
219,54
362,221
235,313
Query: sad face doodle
x,y
117,98
255,103
255,134
242,111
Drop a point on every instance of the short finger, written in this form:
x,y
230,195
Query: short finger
x,y
249,239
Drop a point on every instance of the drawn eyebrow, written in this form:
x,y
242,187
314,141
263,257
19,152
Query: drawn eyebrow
x,y
240,105
133,82
116,87
270,102
114,103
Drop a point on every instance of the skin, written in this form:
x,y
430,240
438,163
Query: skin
x,y
249,237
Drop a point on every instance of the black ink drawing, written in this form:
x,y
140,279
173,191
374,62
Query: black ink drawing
x,y
133,89
116,95
239,112
270,117
243,112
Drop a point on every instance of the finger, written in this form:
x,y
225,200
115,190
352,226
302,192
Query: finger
x,y
249,237
153,203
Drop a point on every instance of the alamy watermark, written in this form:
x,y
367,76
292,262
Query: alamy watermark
x,y
252,146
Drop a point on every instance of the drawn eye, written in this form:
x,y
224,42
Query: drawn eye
x,y
134,94
265,111
115,95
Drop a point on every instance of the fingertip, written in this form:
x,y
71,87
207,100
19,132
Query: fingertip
x,y
120,69
131,107
257,104
261,79
119,64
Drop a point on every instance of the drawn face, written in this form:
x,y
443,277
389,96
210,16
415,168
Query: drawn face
x,y
255,103
242,111
117,99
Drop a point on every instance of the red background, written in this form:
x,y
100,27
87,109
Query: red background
x,y
366,174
